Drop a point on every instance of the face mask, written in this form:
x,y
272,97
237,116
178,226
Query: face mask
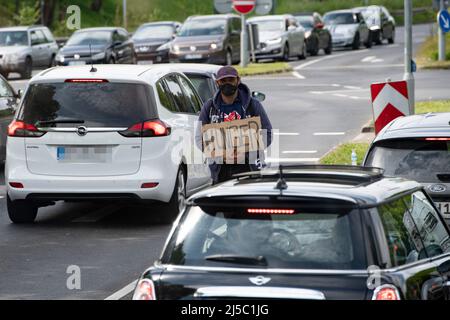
x,y
228,89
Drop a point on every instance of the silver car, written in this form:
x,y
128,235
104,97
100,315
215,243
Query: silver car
x,y
281,37
24,48
417,148
348,29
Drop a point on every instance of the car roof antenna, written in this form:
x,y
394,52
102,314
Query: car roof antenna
x,y
281,183
93,69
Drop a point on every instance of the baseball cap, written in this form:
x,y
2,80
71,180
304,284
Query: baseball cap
x,y
227,72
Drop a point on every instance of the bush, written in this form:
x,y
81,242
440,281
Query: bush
x,y
28,15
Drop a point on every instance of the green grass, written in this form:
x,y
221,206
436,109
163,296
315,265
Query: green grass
x,y
343,153
432,106
264,68
427,56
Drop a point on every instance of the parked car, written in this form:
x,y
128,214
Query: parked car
x,y
25,48
280,36
317,37
418,148
380,22
8,106
212,39
305,233
348,29
152,41
99,46
115,132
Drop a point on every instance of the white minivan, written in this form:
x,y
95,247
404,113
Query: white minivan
x,y
119,132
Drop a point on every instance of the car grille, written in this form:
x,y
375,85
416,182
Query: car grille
x,y
197,48
148,48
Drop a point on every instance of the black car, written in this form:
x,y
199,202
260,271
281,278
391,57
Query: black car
x,y
317,37
305,232
152,41
99,46
9,100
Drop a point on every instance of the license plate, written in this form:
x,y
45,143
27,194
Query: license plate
x,y
84,154
146,62
444,207
77,63
194,56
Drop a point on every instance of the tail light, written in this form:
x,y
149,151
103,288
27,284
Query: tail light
x,y
437,139
22,129
153,128
145,290
271,211
386,292
86,81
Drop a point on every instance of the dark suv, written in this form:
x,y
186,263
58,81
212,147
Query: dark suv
x,y
208,39
305,232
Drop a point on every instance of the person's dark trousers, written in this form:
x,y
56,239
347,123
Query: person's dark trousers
x,y
227,171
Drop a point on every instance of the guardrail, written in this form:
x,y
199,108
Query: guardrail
x,y
401,12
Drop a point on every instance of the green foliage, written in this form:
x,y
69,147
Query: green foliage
x,y
28,15
343,153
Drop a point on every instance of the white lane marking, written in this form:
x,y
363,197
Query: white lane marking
x,y
286,133
298,75
357,67
336,85
278,160
339,91
2,197
352,88
329,133
300,152
368,59
123,292
377,60
307,64
302,84
340,95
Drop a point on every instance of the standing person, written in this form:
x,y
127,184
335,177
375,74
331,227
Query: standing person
x,y
233,101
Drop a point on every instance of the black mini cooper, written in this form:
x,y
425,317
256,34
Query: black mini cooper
x,y
305,232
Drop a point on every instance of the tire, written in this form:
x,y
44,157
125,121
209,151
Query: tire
x,y
369,42
112,60
28,69
378,39
21,211
177,202
356,42
315,48
302,56
328,50
391,40
52,62
228,58
286,53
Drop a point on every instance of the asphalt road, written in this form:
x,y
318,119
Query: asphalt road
x,y
325,102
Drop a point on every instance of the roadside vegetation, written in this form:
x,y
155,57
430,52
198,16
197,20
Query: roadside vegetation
x,y
254,69
427,56
342,153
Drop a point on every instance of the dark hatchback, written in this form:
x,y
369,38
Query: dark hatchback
x,y
305,232
152,41
99,46
317,37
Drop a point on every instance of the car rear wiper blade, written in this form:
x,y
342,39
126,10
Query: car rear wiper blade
x,y
62,121
444,177
259,260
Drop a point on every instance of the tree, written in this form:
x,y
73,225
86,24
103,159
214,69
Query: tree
x,y
28,15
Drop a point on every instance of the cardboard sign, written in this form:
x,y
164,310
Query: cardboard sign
x,y
227,139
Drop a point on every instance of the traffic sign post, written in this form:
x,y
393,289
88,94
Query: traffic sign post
x,y
409,76
444,27
244,7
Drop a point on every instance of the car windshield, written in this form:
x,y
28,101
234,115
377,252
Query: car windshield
x,y
271,25
86,38
97,104
306,22
203,27
313,238
13,38
340,18
419,160
154,32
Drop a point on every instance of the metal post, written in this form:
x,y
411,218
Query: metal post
x,y
244,46
252,43
441,35
274,7
409,76
125,22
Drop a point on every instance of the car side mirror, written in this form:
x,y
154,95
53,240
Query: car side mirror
x,y
19,94
259,96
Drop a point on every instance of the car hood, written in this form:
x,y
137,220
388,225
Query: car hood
x,y
269,35
82,50
197,40
150,42
342,29
13,49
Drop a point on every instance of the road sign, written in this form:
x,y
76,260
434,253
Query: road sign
x,y
389,101
244,6
444,20
263,7
223,6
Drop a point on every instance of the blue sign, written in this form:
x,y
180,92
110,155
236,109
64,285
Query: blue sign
x,y
444,20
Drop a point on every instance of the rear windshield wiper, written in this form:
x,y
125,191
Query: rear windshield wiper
x,y
444,177
62,121
260,260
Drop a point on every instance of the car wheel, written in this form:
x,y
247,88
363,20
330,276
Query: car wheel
x,y
286,53
329,48
378,37
52,62
21,211
315,48
228,58
302,56
27,69
177,202
356,42
112,60
368,44
391,40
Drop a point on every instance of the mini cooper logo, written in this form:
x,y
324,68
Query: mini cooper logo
x,y
437,188
82,131
193,48
259,280
77,57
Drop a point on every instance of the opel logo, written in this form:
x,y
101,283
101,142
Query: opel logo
x,y
82,131
193,48
77,57
437,188
259,280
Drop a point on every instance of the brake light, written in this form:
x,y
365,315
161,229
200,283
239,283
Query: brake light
x,y
153,128
145,290
22,129
86,80
149,185
437,139
386,292
271,211
16,185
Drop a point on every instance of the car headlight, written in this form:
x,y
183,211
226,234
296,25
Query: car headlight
x,y
307,34
60,58
216,46
99,56
274,41
164,47
176,48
